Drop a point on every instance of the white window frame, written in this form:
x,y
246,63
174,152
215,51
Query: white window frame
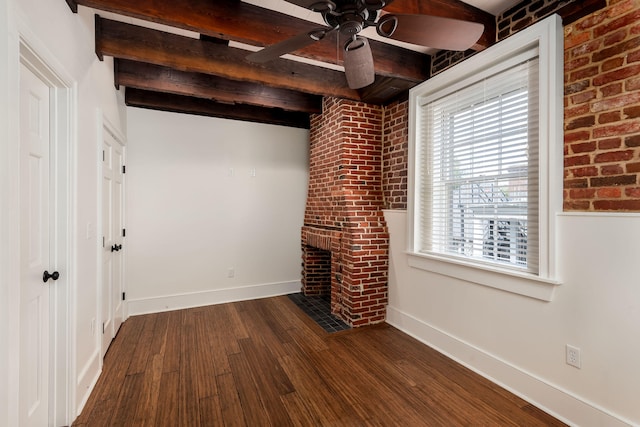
x,y
548,38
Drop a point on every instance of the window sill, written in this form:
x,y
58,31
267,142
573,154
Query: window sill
x,y
511,281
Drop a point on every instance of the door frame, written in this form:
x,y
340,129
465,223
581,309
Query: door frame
x,y
37,58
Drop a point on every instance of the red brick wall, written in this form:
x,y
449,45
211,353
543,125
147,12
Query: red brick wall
x,y
394,153
344,208
602,110
602,113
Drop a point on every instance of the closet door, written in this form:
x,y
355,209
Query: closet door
x,y
113,238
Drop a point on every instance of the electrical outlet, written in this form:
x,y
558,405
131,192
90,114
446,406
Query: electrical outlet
x,y
573,356
231,273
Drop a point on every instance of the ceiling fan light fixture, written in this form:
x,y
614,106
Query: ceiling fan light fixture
x,y
358,63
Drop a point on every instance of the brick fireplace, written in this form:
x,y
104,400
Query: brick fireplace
x,y
344,237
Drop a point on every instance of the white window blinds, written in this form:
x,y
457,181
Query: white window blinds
x,y
478,162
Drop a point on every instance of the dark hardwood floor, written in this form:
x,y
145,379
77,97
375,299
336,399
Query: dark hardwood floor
x,y
265,363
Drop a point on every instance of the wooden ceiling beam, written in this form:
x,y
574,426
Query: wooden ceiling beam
x,y
205,107
157,78
135,43
243,22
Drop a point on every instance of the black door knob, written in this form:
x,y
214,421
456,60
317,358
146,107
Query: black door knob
x,y
53,276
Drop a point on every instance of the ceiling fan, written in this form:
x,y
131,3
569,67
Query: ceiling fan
x,y
349,17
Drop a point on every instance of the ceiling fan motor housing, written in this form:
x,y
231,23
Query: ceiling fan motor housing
x,y
352,16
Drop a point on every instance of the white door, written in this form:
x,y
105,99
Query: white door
x,y
113,232
35,250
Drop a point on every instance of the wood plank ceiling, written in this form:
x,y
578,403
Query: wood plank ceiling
x,y
207,76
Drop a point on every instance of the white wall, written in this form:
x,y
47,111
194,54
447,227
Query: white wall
x,y
8,219
520,342
194,210
66,42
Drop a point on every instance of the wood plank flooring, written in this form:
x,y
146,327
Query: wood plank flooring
x,y
265,363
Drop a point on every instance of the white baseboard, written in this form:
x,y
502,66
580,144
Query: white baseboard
x,y
218,296
562,404
87,380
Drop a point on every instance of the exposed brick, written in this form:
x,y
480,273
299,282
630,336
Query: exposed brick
x,y
576,183
546,10
610,143
576,136
632,192
616,102
609,193
611,170
612,63
576,63
615,37
633,57
585,96
584,172
522,24
632,112
344,207
575,40
617,205
591,21
609,117
580,110
633,167
611,90
586,48
613,156
582,193
577,160
611,26
621,128
613,181
616,75
619,7
632,84
632,141
576,205
576,87
581,122
584,147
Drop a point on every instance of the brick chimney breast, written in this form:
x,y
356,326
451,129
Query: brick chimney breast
x,y
345,241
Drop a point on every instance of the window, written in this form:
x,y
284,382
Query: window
x,y
486,152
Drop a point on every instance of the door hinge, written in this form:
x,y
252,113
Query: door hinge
x,y
124,232
124,296
103,241
124,169
103,155
103,327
